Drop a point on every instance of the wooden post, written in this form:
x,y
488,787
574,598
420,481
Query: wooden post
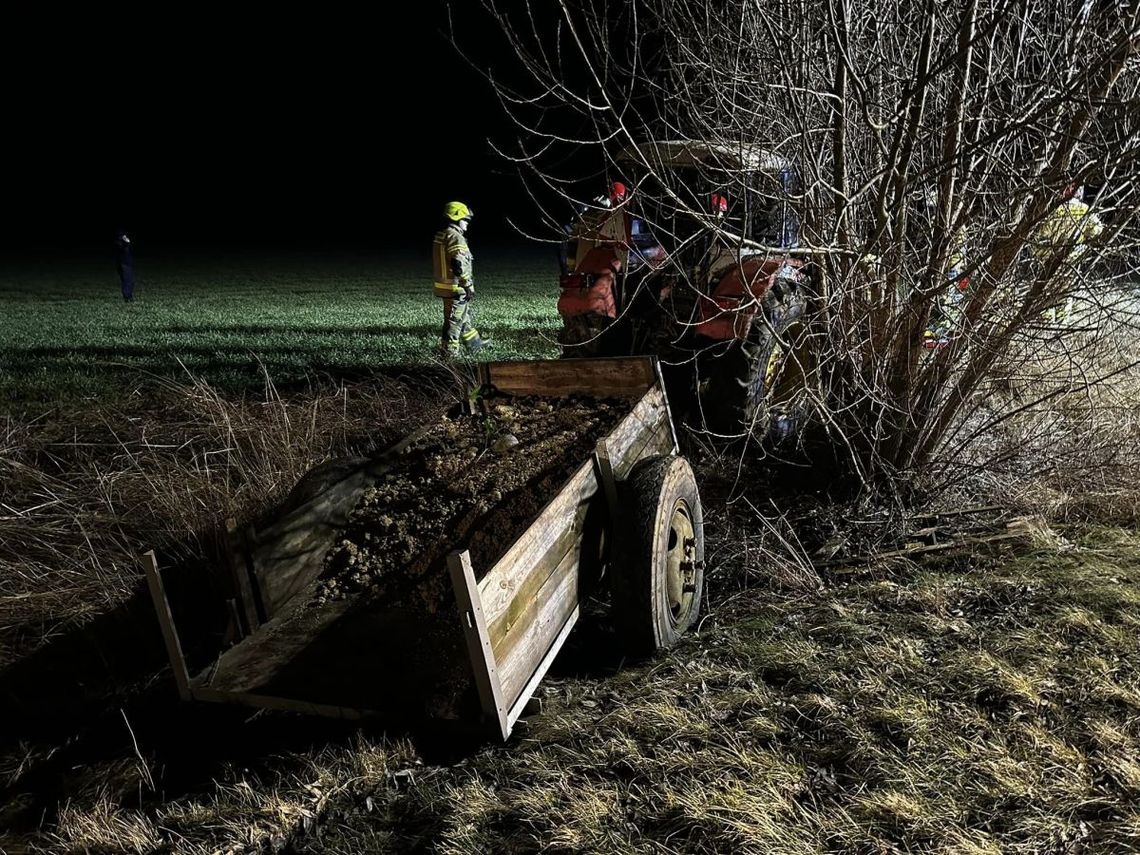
x,y
607,481
478,640
166,624
665,398
239,570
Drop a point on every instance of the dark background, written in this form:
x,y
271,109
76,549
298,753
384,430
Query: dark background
x,y
194,130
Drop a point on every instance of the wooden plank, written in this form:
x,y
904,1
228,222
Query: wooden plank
x,y
543,616
166,624
504,630
652,441
238,559
561,518
478,641
270,702
676,447
644,431
259,657
235,630
647,413
526,696
622,377
607,480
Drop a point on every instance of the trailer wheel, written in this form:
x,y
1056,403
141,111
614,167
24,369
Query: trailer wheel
x,y
660,555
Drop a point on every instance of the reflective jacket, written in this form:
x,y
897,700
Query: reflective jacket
x,y
1067,228
452,263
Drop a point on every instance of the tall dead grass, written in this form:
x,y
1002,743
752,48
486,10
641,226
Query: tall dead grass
x,y
1060,436
87,486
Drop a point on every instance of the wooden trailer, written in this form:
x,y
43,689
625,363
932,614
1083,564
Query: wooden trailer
x,y
631,512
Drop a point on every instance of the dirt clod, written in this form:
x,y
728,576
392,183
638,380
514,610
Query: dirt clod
x,y
471,481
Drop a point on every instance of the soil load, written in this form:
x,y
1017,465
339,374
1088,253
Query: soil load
x,y
379,629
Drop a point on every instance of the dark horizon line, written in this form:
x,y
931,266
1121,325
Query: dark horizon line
x,y
160,250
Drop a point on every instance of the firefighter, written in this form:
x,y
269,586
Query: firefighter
x,y
125,264
614,197
609,200
950,307
1066,232
454,280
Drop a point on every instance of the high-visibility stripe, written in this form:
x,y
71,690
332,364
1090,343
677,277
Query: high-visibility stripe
x,y
446,289
441,266
470,334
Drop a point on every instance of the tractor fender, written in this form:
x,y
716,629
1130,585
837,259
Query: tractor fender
x,y
740,294
591,288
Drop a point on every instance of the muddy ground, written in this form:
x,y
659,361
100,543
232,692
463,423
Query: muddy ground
x,y
472,482
379,629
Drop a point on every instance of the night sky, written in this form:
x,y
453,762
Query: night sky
x,y
194,129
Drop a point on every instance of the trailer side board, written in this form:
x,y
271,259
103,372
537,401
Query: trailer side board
x,y
529,597
619,377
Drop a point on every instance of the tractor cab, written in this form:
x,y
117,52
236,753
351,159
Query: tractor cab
x,y
699,214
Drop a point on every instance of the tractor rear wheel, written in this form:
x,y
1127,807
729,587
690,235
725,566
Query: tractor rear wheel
x,y
591,335
751,384
660,555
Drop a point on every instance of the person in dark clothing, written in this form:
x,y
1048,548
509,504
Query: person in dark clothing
x,y
125,263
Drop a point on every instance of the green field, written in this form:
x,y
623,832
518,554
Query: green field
x,y
65,330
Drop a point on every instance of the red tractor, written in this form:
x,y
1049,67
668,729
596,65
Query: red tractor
x,y
700,266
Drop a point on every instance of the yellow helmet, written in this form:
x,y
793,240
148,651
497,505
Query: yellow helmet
x,y
456,211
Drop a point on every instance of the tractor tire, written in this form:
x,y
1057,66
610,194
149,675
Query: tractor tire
x,y
736,397
586,336
659,555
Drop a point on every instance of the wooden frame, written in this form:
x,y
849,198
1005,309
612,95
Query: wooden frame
x,y
517,617
478,640
149,563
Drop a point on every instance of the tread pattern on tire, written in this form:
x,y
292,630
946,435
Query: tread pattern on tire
x,y
647,499
735,401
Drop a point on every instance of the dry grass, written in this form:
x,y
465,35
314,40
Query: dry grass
x,y
953,708
956,705
86,487
1071,448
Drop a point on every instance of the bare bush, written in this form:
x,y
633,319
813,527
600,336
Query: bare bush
x,y
933,145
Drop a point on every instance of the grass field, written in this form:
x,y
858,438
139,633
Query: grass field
x,y
970,707
67,331
971,704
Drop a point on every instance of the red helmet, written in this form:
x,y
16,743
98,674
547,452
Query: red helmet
x,y
1073,191
719,203
617,192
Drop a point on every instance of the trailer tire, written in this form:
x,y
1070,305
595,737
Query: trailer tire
x,y
660,554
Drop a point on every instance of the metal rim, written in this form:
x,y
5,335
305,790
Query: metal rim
x,y
680,562
772,368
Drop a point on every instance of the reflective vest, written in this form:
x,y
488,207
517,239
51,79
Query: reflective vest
x,y
1067,228
451,263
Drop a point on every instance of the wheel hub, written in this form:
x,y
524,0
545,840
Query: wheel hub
x,y
682,562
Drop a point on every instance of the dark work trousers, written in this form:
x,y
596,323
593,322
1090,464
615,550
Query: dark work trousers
x,y
127,279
